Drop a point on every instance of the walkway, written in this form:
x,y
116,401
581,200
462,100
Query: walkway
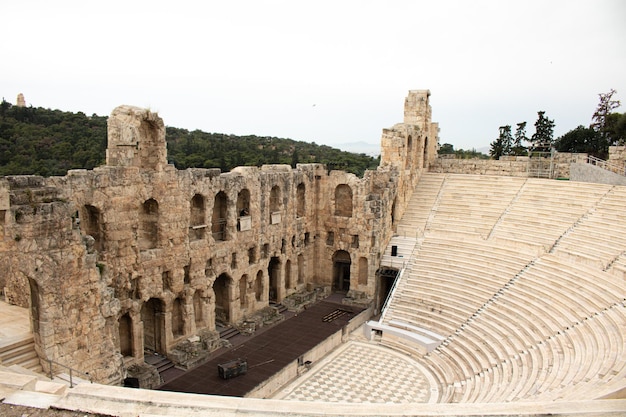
x,y
14,321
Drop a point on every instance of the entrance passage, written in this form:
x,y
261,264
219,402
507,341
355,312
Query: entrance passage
x,y
221,288
341,271
273,271
387,278
152,317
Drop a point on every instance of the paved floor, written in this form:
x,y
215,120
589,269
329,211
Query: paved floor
x,y
14,321
360,372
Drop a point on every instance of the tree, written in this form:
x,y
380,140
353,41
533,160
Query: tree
x,y
520,136
599,120
446,149
542,140
496,149
583,140
615,129
502,145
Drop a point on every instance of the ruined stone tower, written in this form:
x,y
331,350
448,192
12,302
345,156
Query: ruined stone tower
x,y
138,256
21,101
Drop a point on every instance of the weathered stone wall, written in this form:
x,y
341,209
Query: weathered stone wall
x,y
138,255
617,156
514,166
50,266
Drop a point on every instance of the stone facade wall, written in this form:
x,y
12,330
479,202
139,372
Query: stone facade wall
x,y
138,255
514,166
617,156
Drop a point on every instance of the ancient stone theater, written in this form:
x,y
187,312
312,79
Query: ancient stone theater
x,y
473,286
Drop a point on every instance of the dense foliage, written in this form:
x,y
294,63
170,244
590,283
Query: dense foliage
x,y
34,140
47,142
198,149
607,128
448,149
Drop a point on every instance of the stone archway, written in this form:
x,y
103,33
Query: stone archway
x,y
341,271
152,316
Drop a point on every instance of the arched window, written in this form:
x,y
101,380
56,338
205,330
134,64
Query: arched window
x,y
343,200
91,224
197,221
148,225
300,200
244,221
219,220
275,205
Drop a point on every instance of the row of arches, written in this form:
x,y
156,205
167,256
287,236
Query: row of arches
x,y
148,227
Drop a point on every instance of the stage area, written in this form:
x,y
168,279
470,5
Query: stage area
x,y
266,352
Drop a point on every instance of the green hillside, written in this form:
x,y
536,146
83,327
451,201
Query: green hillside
x,y
35,140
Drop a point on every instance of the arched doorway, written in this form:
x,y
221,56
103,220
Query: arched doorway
x,y
222,288
341,271
273,271
152,314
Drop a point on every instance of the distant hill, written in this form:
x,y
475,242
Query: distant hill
x,y
371,149
35,140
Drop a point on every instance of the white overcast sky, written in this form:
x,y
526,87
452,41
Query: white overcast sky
x,y
325,71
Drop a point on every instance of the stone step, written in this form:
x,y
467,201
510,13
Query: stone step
x,y
281,308
163,365
24,357
10,346
229,333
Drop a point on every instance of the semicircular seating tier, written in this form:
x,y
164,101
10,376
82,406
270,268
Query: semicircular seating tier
x,y
524,281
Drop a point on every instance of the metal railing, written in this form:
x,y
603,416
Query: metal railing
x,y
609,166
70,370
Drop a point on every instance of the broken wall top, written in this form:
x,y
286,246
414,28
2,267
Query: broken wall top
x,y
136,138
